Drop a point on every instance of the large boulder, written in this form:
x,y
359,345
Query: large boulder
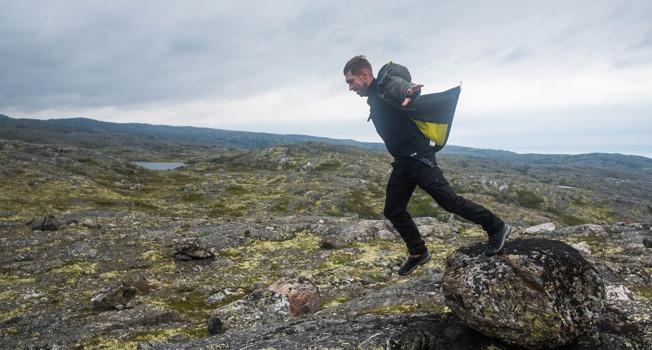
x,y
45,223
537,294
302,294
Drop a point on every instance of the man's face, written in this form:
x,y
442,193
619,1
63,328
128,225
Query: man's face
x,y
357,83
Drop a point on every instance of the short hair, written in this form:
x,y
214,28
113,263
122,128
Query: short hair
x,y
356,64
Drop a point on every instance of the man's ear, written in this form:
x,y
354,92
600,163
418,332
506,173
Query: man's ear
x,y
364,75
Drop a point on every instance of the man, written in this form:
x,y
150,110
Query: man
x,y
414,159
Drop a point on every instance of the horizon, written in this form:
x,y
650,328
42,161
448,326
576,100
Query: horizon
x,y
631,150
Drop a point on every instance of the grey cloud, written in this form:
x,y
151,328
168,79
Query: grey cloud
x,y
126,53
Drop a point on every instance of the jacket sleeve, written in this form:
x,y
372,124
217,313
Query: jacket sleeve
x,y
392,88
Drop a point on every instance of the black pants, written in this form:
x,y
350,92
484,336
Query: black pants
x,y
402,182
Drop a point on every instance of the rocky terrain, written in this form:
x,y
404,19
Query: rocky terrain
x,y
97,253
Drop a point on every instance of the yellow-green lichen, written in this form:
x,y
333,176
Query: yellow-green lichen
x,y
112,274
408,308
153,256
79,267
335,301
8,279
642,291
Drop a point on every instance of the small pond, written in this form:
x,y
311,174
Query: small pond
x,y
159,165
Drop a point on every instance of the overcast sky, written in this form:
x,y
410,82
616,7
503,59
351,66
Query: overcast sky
x,y
569,76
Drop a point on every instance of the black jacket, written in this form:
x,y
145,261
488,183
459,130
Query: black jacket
x,y
408,131
402,137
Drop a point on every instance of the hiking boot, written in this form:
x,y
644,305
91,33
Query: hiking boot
x,y
412,263
497,240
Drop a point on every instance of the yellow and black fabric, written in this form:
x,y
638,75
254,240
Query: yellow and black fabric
x,y
433,114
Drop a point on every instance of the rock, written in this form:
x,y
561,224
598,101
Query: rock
x,y
647,243
537,294
270,233
117,297
359,230
191,247
626,324
582,247
156,315
619,292
302,294
333,242
543,228
46,223
91,224
207,289
257,309
385,234
215,299
582,230
368,331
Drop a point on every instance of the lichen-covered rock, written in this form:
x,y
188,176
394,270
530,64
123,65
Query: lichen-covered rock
x,y
537,294
385,234
618,293
625,324
369,331
538,229
333,242
301,293
647,242
46,223
583,230
257,309
191,247
117,297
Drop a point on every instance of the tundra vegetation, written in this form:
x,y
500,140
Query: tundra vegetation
x,y
264,213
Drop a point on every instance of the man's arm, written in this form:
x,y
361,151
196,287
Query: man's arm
x,y
396,89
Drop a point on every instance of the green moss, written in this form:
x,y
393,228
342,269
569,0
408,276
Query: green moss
x,y
237,190
7,279
221,210
7,295
598,245
193,197
642,291
341,258
568,219
363,203
329,165
112,275
529,199
153,255
167,267
189,302
281,207
335,301
98,342
80,267
409,308
110,343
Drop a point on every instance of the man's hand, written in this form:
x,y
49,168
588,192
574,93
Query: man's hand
x,y
410,91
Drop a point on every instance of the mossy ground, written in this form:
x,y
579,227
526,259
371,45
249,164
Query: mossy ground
x,y
135,213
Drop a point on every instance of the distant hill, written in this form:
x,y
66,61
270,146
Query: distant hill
x,y
93,134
